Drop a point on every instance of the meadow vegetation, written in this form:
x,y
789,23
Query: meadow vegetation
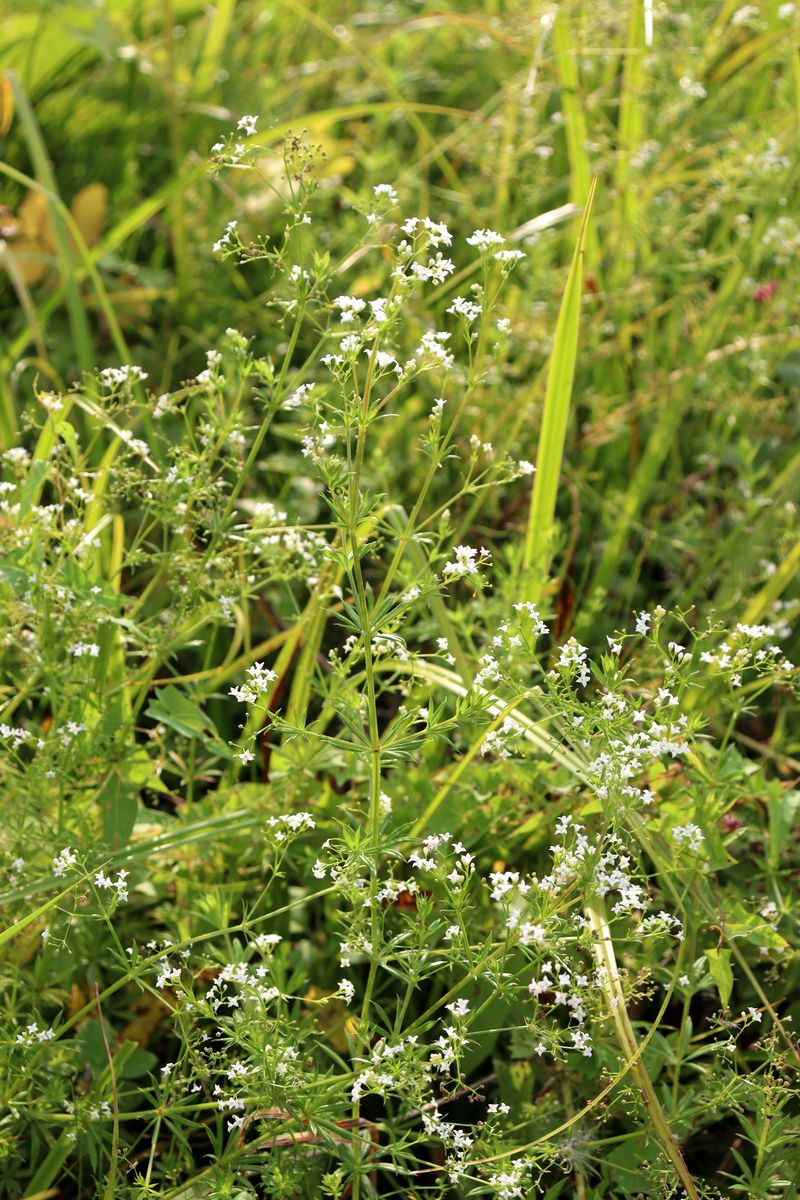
x,y
399,460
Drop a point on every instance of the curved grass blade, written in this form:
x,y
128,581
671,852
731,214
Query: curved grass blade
x,y
44,173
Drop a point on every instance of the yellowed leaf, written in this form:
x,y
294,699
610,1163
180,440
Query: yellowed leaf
x,y
334,1018
6,106
35,245
149,1011
32,262
31,231
89,210
37,227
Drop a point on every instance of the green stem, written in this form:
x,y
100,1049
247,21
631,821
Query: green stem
x,y
612,987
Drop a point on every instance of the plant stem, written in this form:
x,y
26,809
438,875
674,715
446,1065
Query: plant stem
x,y
612,987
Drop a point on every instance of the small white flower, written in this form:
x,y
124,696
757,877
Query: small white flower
x,y
63,862
689,835
485,240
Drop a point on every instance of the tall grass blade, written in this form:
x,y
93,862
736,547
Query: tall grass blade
x,y
539,534
612,987
575,126
44,173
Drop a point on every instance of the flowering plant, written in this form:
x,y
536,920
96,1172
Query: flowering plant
x,y
401,890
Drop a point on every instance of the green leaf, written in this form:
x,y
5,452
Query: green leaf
x,y
627,1164
172,707
719,963
15,578
50,1169
789,369
752,927
539,535
137,1062
30,490
782,807
119,805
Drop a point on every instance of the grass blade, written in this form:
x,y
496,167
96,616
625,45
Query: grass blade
x,y
611,985
575,126
539,534
44,173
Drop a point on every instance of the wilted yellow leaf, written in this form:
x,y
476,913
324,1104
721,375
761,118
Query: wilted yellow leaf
x,y
149,1012
6,106
35,245
334,1018
36,223
89,210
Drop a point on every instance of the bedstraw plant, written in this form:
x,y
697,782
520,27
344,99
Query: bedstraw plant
x,y
341,856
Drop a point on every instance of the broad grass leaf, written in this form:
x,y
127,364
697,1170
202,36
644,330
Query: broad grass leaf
x,y
119,804
782,807
175,709
719,963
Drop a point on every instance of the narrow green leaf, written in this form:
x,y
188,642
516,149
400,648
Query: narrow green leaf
x,y
44,173
219,26
50,1169
539,535
575,125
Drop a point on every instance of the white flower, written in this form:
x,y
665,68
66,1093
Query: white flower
x,y
744,14
531,934
63,862
247,125
485,240
349,307
84,650
468,309
227,237
689,835
298,395
459,1008
466,562
112,377
246,756
573,655
432,349
509,257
